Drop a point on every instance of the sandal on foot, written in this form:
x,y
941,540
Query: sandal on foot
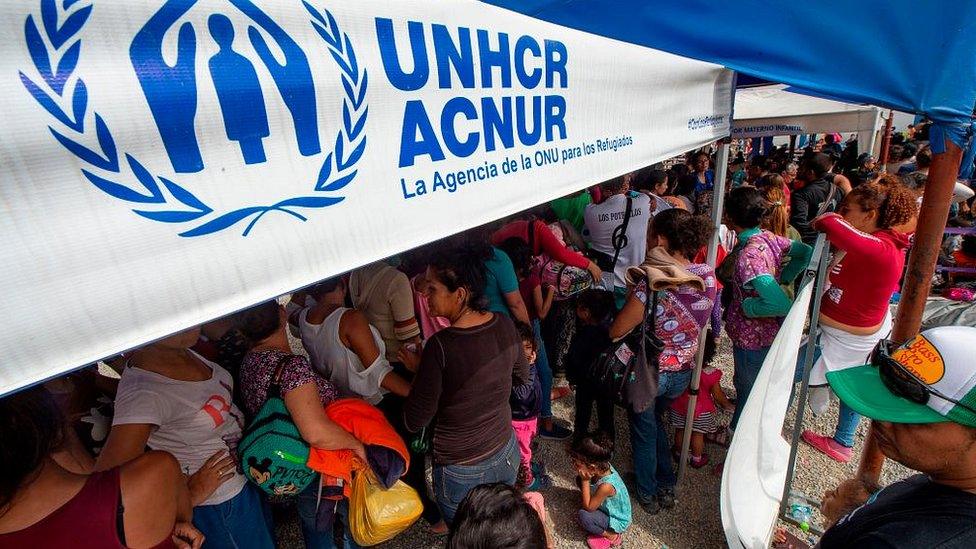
x,y
439,530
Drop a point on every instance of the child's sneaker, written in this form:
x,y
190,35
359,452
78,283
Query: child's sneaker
x,y
697,462
558,432
540,483
827,445
538,469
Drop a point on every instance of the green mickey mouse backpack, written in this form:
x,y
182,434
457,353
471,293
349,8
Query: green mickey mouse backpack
x,y
272,451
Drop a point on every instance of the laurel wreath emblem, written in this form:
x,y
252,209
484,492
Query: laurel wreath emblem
x,y
55,51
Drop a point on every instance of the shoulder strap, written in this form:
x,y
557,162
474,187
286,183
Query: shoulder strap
x,y
531,235
619,238
826,203
274,388
650,309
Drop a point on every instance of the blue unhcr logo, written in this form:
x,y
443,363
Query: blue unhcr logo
x,y
171,94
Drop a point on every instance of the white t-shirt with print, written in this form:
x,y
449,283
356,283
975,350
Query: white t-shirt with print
x,y
602,219
193,419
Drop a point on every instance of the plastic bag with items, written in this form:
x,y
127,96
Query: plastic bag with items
x,y
376,515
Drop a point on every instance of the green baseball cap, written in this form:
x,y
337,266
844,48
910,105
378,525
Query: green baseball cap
x,y
938,367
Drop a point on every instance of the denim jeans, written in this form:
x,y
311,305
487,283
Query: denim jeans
x,y
649,439
847,419
747,363
307,503
238,523
453,482
545,372
594,523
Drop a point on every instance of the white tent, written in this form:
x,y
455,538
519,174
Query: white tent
x,y
166,164
766,111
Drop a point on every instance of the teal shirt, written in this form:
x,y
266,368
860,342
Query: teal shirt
x,y
500,279
617,506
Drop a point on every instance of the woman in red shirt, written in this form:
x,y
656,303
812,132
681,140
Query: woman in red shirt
x,y
865,272
144,503
543,241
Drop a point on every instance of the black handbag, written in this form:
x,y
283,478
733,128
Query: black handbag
x,y
626,372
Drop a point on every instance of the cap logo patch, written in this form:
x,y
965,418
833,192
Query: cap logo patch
x,y
922,359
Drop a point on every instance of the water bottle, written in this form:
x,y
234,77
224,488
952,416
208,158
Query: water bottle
x,y
801,513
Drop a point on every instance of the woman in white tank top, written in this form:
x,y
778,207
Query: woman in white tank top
x,y
344,348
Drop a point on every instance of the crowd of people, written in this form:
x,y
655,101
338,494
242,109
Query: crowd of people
x,y
461,347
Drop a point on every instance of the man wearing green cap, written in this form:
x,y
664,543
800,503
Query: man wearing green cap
x,y
922,397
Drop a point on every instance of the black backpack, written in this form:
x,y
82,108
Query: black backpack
x,y
627,371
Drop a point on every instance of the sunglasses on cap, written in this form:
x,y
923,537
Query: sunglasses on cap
x,y
902,382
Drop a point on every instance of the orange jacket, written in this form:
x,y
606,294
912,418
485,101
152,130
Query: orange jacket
x,y
369,426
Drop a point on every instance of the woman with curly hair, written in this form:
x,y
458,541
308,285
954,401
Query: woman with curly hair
x,y
464,380
854,312
686,295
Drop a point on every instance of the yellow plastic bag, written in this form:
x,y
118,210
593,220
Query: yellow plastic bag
x,y
375,514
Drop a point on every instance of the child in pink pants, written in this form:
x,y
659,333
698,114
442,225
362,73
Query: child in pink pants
x,y
526,403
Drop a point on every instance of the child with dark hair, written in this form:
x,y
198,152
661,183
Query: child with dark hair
x,y
538,302
606,512
526,403
538,299
496,516
594,309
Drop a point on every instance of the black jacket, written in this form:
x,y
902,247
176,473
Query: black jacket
x,y
807,203
588,342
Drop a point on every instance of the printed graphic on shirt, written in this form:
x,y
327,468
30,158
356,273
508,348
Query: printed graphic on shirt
x,y
835,294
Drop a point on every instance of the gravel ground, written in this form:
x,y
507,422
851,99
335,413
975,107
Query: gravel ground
x,y
694,523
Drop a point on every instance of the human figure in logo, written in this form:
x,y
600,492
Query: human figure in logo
x,y
171,91
293,77
238,91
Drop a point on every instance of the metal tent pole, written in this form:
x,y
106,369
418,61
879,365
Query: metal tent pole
x,y
692,401
816,274
918,276
886,140
718,204
718,198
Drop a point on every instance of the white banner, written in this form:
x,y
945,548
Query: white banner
x,y
166,163
755,467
